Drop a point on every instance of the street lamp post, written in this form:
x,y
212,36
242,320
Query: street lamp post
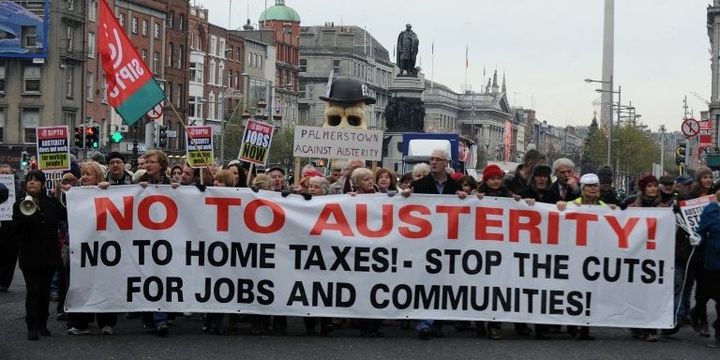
x,y
662,149
608,121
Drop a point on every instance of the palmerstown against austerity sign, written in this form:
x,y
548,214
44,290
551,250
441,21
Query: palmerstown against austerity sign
x,y
370,256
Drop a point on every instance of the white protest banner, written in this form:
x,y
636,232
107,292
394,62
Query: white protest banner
x,y
368,256
6,207
335,143
690,210
256,142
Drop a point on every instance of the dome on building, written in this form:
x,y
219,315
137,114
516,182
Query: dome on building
x,y
280,12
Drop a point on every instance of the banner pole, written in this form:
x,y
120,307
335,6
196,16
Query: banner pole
x,y
192,140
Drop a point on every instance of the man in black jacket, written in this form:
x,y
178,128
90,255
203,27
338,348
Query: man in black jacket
x,y
437,182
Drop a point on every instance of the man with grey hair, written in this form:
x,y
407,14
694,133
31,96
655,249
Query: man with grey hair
x,y
436,182
566,186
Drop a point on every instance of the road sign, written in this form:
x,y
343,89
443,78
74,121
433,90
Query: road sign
x,y
156,112
690,127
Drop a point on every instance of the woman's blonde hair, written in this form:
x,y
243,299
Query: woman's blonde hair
x,y
93,168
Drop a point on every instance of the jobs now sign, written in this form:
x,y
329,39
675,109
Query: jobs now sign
x,y
369,256
335,143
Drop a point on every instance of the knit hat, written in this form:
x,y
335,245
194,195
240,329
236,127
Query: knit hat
x,y
492,170
605,175
456,176
702,171
589,179
666,180
541,170
645,180
684,179
115,155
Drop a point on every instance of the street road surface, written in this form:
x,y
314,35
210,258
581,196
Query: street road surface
x,y
186,341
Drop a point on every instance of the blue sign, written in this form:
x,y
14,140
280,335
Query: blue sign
x,y
23,34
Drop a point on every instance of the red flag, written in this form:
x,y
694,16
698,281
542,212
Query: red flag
x,y
131,88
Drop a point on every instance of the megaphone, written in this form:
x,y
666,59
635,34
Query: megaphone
x,y
28,206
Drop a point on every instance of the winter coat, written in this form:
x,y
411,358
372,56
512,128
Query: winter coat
x,y
37,234
709,229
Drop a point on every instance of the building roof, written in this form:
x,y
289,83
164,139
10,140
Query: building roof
x,y
280,12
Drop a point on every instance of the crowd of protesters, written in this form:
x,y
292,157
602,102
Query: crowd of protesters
x,y
38,240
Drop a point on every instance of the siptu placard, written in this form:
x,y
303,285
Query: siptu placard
x,y
256,142
199,145
53,152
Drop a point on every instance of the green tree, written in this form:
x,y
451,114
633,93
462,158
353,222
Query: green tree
x,y
281,149
594,152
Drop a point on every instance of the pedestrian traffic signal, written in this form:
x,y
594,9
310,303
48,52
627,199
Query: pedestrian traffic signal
x,y
92,137
24,160
80,136
162,137
680,154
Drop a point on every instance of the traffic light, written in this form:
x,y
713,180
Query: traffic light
x,y
80,136
162,137
680,154
92,137
25,160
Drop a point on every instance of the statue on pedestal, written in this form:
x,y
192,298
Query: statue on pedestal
x,y
407,49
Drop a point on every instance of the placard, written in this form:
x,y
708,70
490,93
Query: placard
x,y
53,152
200,147
335,143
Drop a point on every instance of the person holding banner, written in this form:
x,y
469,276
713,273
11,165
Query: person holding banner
x,y
8,247
566,184
385,180
156,163
36,222
709,229
436,182
698,315
239,174
521,178
589,195
91,175
649,196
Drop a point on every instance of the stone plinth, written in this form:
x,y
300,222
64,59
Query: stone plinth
x,y
405,111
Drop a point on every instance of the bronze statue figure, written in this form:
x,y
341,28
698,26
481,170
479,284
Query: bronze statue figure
x,y
407,49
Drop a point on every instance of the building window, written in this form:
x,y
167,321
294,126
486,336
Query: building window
x,y
179,95
121,20
336,66
92,10
144,55
221,73
181,57
195,107
171,19
182,22
156,63
2,77
196,72
29,36
71,5
69,81
211,106
156,30
2,125
30,120
170,53
213,44
31,79
260,62
221,49
89,86
211,75
134,25
144,27
169,90
303,65
91,45
70,33
104,91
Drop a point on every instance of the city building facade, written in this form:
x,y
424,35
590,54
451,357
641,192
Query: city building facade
x,y
348,51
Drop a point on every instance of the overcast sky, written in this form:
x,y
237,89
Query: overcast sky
x,y
545,47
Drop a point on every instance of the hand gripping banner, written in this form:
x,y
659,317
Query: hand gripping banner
x,y
232,250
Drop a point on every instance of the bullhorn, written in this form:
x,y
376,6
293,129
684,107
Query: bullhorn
x,y
28,206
